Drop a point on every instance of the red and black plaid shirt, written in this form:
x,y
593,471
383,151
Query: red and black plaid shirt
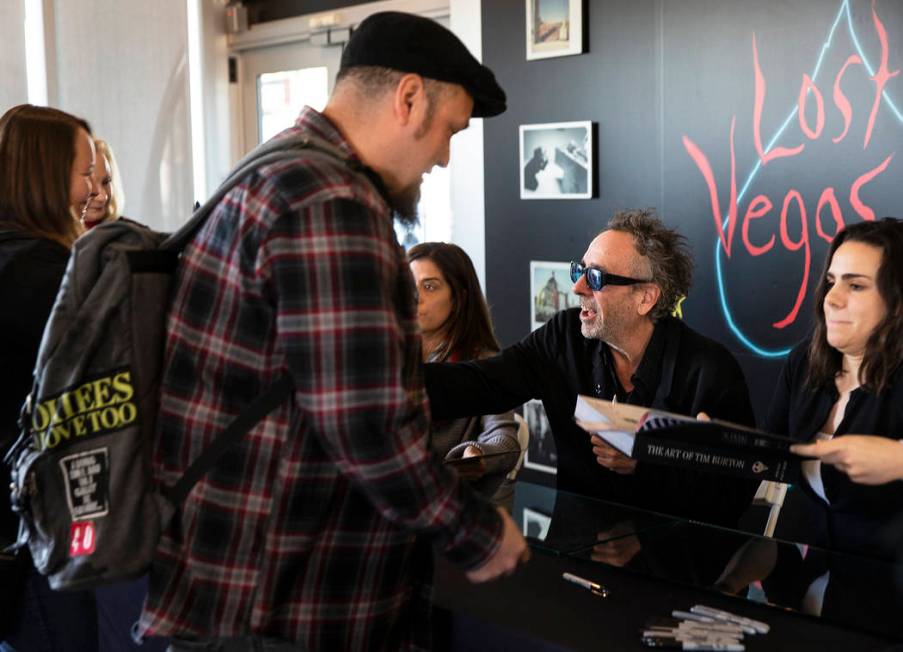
x,y
307,529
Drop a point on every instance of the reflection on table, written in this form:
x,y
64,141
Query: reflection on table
x,y
844,589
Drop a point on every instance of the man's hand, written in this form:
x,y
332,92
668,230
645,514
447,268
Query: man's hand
x,y
611,458
511,551
865,458
477,469
471,451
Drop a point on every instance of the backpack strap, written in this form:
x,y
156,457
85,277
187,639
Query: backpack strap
x,y
249,417
269,152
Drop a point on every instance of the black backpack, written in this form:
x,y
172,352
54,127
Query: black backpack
x,y
81,477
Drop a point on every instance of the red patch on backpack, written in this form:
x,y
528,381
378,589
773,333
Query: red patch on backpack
x,y
81,538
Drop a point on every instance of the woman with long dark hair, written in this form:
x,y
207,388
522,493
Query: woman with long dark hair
x,y
456,326
841,391
46,165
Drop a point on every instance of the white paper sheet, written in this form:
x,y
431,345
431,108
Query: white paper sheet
x,y
594,422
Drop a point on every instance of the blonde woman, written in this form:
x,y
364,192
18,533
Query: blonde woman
x,y
107,204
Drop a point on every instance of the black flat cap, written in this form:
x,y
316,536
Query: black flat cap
x,y
408,43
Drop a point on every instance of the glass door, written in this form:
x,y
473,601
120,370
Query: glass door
x,y
278,81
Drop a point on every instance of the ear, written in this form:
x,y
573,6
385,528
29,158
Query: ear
x,y
651,294
409,100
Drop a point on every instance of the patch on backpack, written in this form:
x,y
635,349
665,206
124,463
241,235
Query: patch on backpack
x,y
81,539
94,407
87,481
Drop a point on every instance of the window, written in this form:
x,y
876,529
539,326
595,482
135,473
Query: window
x,y
282,95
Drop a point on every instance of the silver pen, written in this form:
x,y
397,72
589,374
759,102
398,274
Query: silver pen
x,y
757,626
593,587
720,627
699,646
665,640
689,635
699,618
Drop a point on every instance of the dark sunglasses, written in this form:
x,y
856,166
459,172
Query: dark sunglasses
x,y
596,279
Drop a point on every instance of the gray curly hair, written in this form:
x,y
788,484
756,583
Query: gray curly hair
x,y
667,252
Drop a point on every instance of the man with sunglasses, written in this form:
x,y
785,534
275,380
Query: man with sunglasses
x,y
622,342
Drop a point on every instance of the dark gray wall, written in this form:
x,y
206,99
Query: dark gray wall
x,y
657,71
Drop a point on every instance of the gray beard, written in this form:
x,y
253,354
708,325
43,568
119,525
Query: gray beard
x,y
590,331
595,329
601,331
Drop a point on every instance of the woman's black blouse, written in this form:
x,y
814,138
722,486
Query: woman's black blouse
x,y
859,517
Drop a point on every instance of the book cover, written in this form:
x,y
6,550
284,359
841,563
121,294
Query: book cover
x,y
679,440
758,464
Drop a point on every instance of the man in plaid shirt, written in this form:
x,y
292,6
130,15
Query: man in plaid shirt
x,y
313,532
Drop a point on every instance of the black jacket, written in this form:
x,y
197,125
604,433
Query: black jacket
x,y
30,273
681,371
858,515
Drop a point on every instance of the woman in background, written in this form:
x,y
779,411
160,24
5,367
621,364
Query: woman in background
x,y
109,201
46,165
842,391
456,326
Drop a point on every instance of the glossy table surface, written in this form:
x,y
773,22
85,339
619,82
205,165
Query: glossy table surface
x,y
653,564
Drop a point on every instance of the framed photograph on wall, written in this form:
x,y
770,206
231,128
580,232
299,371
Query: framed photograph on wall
x,y
554,28
542,455
551,290
556,160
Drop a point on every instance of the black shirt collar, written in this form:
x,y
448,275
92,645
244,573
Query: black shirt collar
x,y
648,377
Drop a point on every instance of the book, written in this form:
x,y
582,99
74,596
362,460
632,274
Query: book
x,y
678,440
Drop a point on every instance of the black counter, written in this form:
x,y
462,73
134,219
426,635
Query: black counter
x,y
652,564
